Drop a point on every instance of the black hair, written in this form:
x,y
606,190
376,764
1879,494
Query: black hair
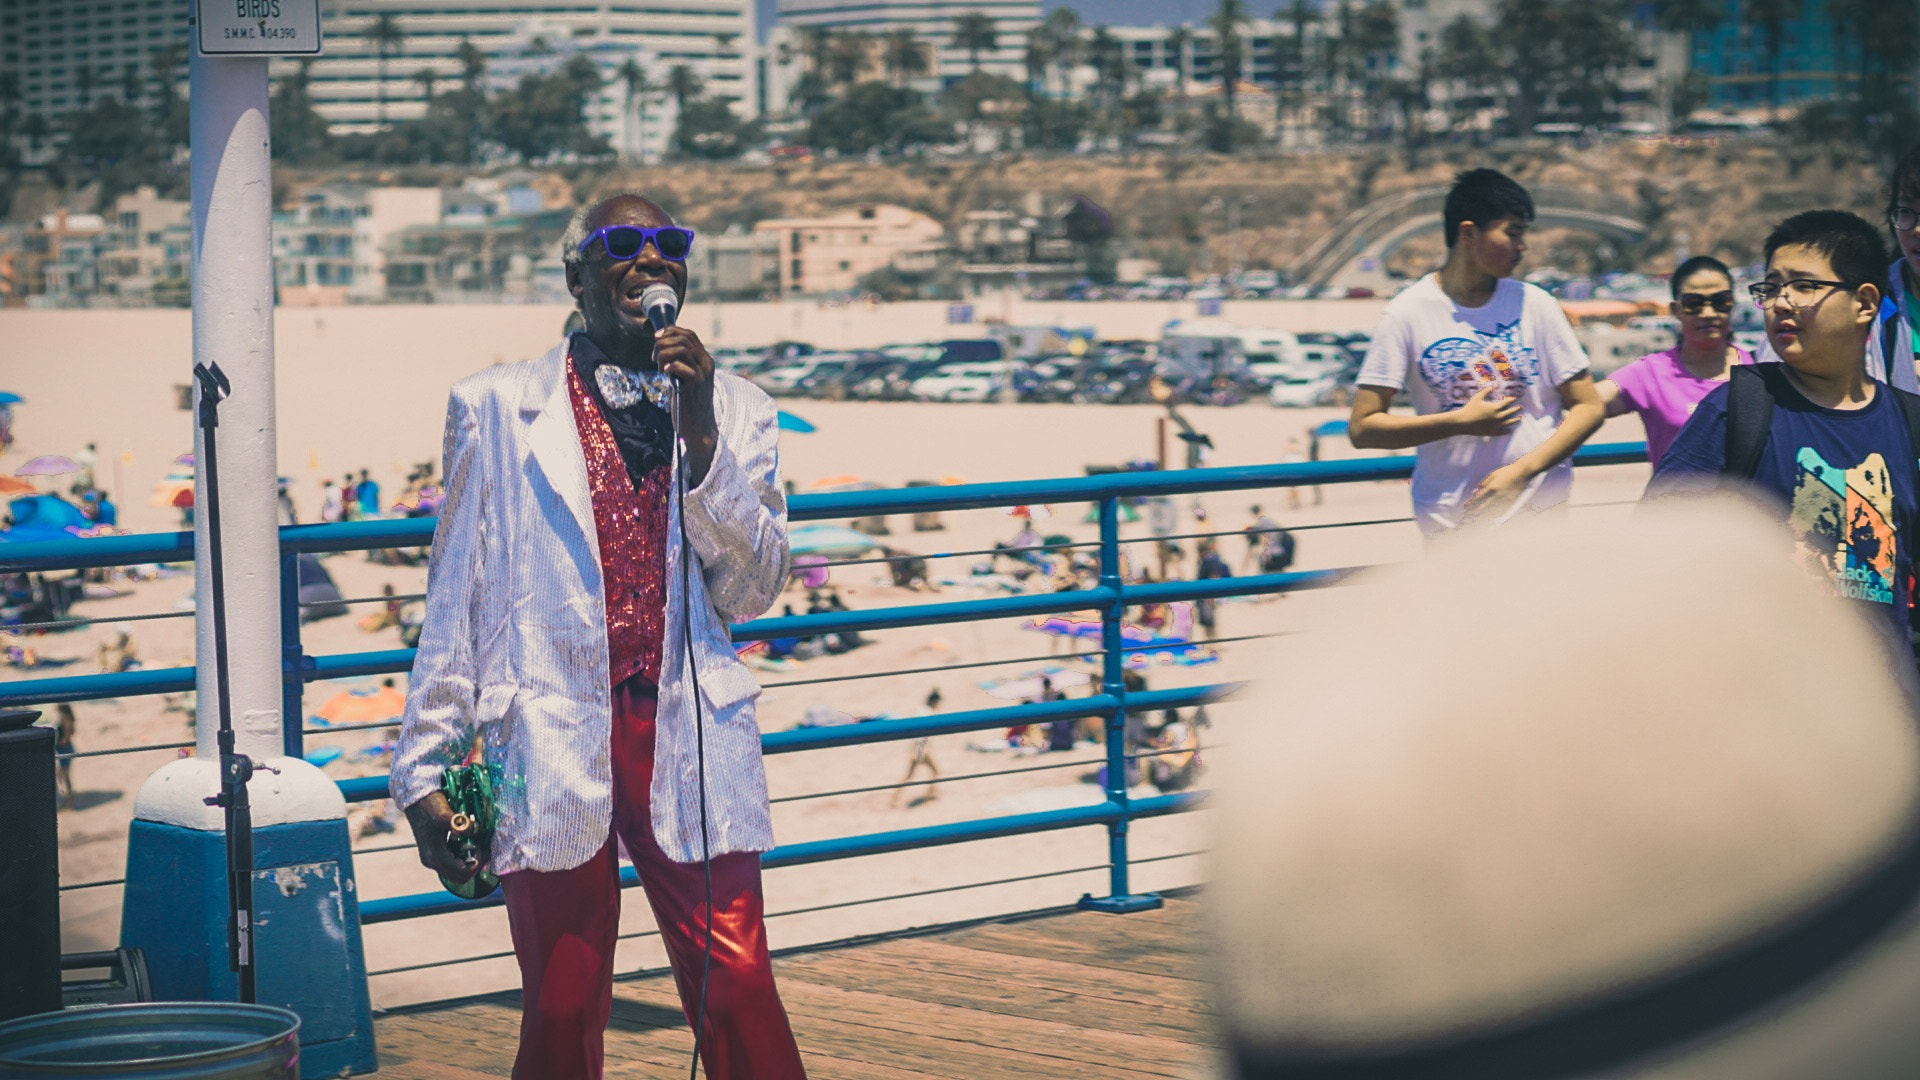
x,y
1693,266
1847,240
1906,181
1483,196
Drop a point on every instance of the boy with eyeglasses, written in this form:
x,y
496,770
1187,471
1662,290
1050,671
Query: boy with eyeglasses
x,y
1500,383
1833,445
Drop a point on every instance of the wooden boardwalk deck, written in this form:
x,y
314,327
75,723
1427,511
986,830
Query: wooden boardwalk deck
x,y
1079,995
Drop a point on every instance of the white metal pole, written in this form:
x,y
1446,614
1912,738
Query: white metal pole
x,y
233,327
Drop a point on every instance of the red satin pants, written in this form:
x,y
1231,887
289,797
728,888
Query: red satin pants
x,y
565,923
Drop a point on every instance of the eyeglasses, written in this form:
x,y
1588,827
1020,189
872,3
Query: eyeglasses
x,y
1903,218
1799,292
623,242
1694,303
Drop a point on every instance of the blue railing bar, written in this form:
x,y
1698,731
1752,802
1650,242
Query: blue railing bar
x,y
1159,592
892,618
1138,484
21,692
78,554
418,532
417,905
370,788
355,665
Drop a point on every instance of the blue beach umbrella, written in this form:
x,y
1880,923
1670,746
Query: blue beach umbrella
x,y
11,399
790,422
832,541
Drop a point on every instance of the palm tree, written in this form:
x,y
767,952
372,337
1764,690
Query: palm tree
x,y
1038,55
975,32
84,80
1063,39
1179,39
130,83
1770,16
1376,41
684,84
637,86
903,55
846,56
473,64
1232,48
429,80
386,37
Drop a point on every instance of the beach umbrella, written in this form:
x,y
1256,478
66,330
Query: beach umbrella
x,y
166,491
1331,428
187,459
11,399
363,705
790,422
48,465
831,541
181,499
811,570
11,485
1037,512
843,482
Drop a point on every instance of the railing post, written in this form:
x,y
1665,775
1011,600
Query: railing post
x,y
1113,681
293,676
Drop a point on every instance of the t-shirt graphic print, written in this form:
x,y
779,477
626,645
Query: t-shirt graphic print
x,y
1458,368
1842,523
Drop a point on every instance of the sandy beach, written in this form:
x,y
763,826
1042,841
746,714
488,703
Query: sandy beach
x,y
365,388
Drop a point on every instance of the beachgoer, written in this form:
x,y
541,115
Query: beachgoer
x,y
368,493
1211,566
119,654
104,512
332,506
1270,548
88,459
1837,456
921,756
288,515
349,499
1896,339
1499,382
551,570
63,751
1664,387
1294,454
387,615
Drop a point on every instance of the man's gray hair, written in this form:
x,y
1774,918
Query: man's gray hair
x,y
574,236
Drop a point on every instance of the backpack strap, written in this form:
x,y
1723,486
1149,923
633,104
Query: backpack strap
x,y
1750,393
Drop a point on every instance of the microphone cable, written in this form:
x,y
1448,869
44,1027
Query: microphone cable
x,y
699,730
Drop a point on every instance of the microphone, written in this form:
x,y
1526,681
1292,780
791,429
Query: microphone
x,y
661,304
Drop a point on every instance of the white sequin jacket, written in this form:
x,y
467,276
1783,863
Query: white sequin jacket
x,y
514,646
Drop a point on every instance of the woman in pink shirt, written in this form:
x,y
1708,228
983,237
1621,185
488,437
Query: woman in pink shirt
x,y
1664,387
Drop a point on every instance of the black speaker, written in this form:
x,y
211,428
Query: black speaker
x,y
29,868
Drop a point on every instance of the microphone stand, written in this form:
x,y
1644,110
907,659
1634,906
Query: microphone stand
x,y
236,769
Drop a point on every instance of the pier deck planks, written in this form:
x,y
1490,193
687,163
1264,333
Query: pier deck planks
x,y
1078,994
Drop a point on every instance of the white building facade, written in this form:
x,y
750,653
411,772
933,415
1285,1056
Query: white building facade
x,y
66,53
713,37
933,21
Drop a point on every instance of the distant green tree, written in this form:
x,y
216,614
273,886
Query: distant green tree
x,y
1180,44
1047,124
1595,43
299,134
386,37
684,84
1376,46
710,129
634,79
1036,57
1469,60
1690,17
85,79
544,116
904,55
1064,45
875,116
975,33
169,109
847,57
976,97
111,143
1230,46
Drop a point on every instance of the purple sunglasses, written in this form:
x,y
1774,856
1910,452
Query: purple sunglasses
x,y
623,242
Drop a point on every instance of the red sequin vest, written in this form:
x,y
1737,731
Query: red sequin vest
x,y
632,527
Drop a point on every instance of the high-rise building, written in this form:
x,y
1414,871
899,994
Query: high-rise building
x,y
932,20
64,53
715,38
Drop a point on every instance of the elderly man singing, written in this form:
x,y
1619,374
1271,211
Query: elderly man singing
x,y
585,569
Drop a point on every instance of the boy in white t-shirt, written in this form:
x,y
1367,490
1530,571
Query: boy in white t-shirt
x,y
1500,384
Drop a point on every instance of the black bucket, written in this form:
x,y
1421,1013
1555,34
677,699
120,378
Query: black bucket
x,y
198,1040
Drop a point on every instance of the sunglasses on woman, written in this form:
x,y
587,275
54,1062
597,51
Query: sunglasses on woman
x,y
623,242
1694,303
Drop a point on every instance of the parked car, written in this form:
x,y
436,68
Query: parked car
x,y
1301,391
783,380
964,382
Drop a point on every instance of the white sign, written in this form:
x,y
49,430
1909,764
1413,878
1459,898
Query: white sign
x,y
259,27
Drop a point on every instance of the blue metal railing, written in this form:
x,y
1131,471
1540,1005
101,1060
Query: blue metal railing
x,y
1110,596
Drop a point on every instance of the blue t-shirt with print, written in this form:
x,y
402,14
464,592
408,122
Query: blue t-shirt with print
x,y
1846,480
